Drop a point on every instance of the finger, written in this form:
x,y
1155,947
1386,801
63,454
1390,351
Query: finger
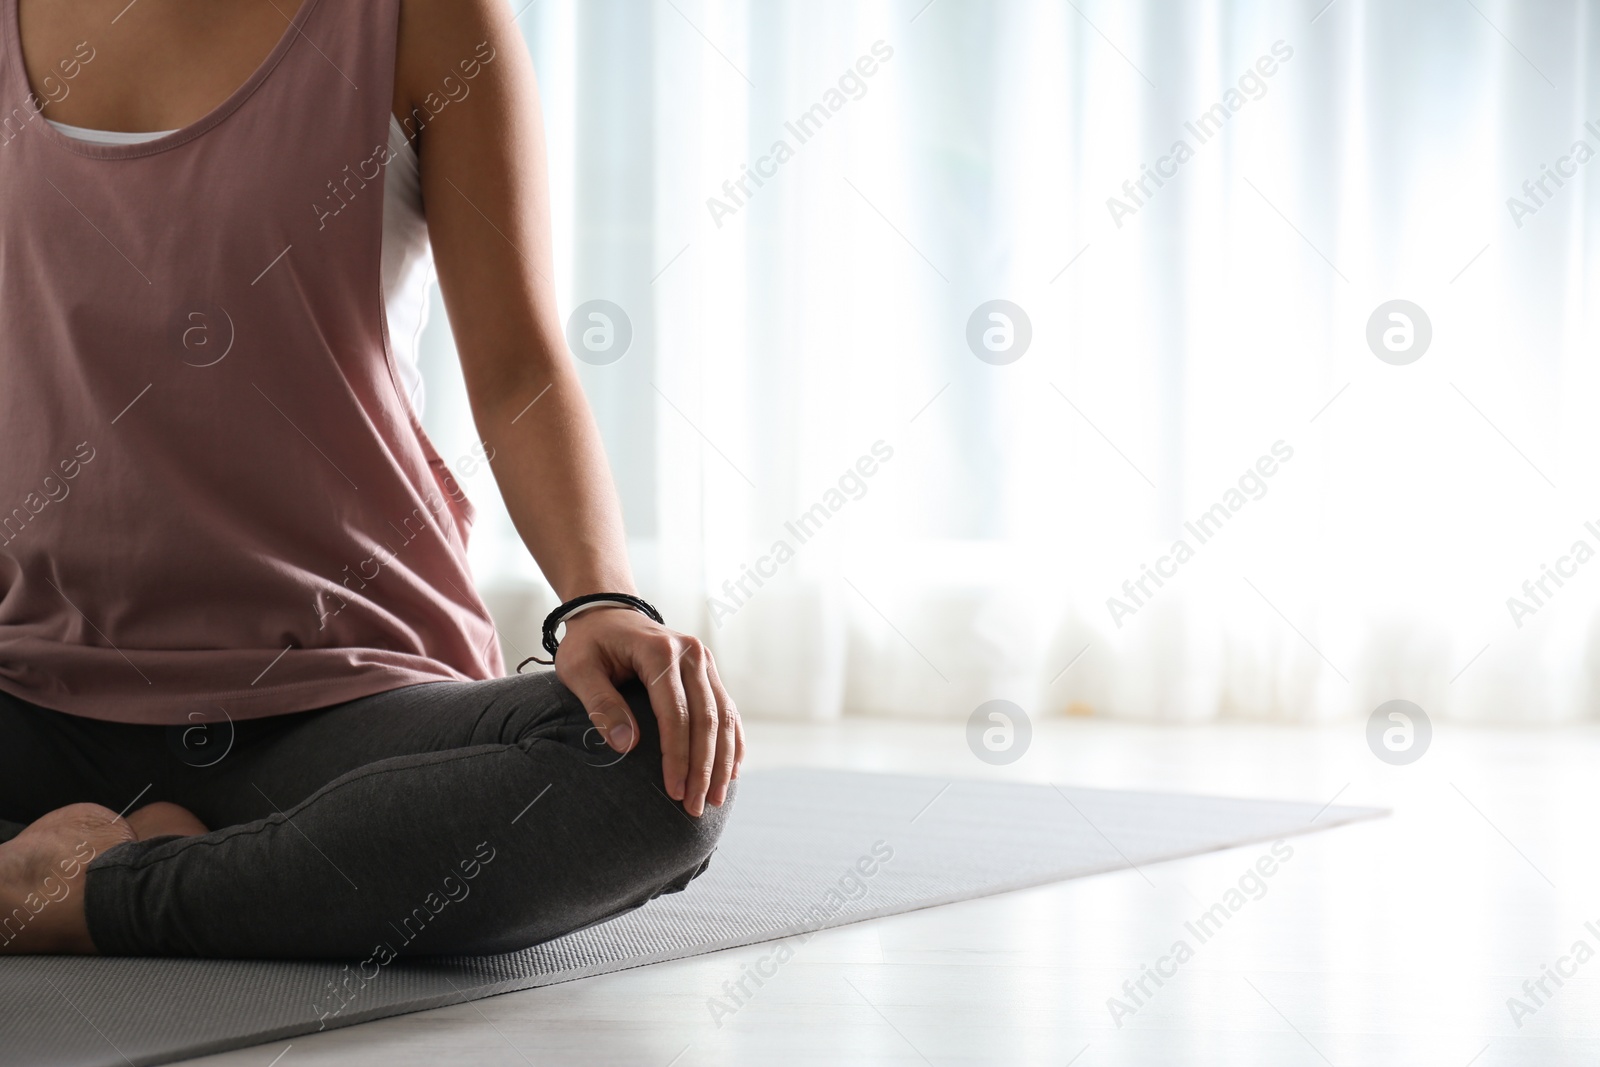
x,y
722,764
725,702
592,686
730,741
658,667
703,729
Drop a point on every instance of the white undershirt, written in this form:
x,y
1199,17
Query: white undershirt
x,y
407,255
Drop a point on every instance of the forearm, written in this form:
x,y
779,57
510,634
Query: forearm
x,y
548,460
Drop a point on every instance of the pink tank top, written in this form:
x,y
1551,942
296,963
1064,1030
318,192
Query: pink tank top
x,y
215,499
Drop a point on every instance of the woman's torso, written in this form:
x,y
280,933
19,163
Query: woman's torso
x,y
253,522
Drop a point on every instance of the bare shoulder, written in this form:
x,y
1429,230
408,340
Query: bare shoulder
x,y
445,46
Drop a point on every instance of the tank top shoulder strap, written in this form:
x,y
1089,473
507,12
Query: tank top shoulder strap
x,y
342,74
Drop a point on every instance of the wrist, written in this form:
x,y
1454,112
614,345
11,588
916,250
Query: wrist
x,y
599,581
571,609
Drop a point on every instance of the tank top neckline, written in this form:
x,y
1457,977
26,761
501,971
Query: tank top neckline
x,y
18,76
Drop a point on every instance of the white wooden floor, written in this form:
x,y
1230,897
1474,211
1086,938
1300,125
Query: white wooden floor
x,y
1390,942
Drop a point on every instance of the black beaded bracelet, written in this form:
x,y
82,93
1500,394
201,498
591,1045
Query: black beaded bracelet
x,y
583,603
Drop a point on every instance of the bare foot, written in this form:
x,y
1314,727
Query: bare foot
x,y
42,875
162,819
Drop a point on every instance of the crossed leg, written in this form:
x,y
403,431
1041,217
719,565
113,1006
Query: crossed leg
x,y
445,818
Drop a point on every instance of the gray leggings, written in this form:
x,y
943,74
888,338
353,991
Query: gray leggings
x,y
440,819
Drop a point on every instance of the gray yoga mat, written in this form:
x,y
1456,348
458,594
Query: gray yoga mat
x,y
806,849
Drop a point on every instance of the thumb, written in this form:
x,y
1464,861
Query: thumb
x,y
607,710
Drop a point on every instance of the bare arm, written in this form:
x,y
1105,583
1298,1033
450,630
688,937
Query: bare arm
x,y
485,193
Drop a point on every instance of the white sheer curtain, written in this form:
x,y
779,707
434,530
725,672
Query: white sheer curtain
x,y
1353,155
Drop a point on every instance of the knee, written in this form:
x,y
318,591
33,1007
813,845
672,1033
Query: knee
x,y
686,841
699,836
684,850
658,839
